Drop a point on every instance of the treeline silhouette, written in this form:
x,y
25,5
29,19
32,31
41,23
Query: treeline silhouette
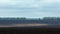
x,y
45,20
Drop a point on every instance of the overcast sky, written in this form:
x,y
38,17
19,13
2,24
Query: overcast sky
x,y
30,8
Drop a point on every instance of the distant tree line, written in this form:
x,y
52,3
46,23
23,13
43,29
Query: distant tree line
x,y
45,20
23,18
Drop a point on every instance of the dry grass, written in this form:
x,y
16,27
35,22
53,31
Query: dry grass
x,y
23,25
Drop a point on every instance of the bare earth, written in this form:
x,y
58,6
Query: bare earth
x,y
24,25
